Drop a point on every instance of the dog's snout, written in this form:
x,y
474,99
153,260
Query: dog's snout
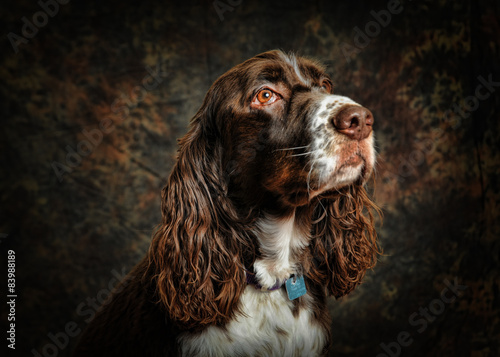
x,y
356,122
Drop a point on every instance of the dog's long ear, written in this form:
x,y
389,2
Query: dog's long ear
x,y
196,256
344,242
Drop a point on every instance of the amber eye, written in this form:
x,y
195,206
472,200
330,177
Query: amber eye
x,y
264,96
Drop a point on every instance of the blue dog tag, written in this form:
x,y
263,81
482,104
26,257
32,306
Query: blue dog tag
x,y
295,287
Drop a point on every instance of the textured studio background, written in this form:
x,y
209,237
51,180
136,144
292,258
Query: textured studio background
x,y
78,208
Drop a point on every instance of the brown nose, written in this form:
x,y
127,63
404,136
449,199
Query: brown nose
x,y
355,122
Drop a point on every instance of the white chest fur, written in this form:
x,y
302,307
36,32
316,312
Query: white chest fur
x,y
267,327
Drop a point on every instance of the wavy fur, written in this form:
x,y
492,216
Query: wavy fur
x,y
274,188
345,241
196,256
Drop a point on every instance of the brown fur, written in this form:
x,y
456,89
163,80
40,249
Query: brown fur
x,y
229,171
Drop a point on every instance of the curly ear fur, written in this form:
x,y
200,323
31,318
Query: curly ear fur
x,y
345,240
196,254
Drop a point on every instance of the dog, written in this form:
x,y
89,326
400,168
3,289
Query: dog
x,y
264,216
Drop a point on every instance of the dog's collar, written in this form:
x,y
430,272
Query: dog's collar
x,y
252,280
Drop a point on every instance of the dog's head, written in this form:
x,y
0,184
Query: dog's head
x,y
287,135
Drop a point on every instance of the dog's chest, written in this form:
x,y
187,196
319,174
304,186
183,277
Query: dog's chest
x,y
267,327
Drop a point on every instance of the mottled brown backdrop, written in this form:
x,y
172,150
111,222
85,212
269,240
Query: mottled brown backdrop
x,y
95,94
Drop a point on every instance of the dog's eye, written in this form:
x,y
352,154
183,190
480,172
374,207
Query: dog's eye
x,y
326,85
265,97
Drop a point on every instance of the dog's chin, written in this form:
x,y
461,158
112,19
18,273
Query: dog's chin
x,y
354,170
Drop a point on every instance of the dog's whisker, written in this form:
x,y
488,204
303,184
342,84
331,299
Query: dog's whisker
x,y
309,180
303,154
294,148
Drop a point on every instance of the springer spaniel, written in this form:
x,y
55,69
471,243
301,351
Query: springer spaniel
x,y
264,216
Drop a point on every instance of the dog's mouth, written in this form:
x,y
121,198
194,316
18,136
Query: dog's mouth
x,y
349,163
305,185
353,160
